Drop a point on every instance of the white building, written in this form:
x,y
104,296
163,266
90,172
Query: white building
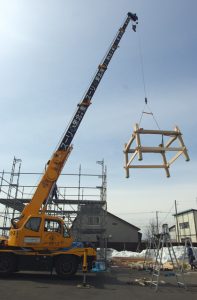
x,y
186,225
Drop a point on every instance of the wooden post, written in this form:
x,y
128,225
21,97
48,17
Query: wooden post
x,y
138,142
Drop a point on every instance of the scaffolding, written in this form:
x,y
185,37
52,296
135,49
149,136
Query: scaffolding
x,y
83,195
90,224
11,193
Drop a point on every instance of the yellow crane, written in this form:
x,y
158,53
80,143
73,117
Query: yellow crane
x,y
40,241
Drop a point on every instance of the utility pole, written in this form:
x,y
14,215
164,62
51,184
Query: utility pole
x,y
175,204
157,222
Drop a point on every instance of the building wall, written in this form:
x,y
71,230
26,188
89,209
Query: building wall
x,y
195,224
118,234
187,226
90,223
121,235
119,231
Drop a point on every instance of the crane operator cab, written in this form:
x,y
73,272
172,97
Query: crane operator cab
x,y
41,232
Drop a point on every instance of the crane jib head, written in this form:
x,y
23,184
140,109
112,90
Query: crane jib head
x,y
133,17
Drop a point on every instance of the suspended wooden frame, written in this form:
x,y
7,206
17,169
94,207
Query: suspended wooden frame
x,y
131,153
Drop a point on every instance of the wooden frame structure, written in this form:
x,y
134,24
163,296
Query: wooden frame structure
x,y
131,153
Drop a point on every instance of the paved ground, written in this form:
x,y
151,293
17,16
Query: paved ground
x,y
117,284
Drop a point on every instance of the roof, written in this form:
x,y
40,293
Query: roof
x,y
185,212
119,219
123,221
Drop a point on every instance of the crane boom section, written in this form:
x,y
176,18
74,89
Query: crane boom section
x,y
59,157
46,184
83,106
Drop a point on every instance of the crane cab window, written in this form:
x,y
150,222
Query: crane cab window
x,y
33,224
52,226
65,232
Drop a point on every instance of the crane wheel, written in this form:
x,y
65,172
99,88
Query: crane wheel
x,y
66,265
7,264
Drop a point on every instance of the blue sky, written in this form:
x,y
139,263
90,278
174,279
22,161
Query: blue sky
x,y
50,50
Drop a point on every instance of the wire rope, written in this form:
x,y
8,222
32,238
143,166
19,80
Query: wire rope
x,y
142,64
144,84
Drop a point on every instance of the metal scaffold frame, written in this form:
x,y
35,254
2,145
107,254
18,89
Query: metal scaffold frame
x,y
68,201
11,193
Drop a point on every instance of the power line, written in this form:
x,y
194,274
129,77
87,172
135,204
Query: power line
x,y
168,213
142,212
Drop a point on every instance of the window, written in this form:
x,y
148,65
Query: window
x,y
66,233
33,224
93,220
52,226
184,225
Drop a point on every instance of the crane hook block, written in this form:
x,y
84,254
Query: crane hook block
x,y
134,27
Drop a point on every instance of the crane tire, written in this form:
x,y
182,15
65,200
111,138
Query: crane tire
x,y
66,265
7,264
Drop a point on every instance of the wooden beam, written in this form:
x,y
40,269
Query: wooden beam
x,y
185,150
126,163
132,157
128,145
146,166
151,131
138,141
165,164
170,141
175,157
155,149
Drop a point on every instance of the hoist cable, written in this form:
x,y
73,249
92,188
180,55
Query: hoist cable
x,y
148,113
144,83
153,117
141,115
142,63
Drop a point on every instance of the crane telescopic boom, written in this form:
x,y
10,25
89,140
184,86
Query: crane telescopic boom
x,y
56,164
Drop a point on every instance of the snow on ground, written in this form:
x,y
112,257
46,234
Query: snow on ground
x,y
180,253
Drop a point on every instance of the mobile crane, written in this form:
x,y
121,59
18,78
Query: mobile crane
x,y
38,241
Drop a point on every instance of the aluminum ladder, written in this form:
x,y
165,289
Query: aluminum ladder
x,y
152,244
164,241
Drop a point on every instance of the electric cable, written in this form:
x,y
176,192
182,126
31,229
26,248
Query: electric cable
x,y
167,213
